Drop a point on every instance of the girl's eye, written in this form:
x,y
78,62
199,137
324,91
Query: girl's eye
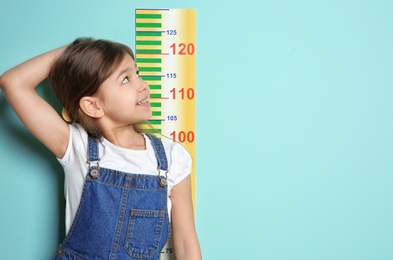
x,y
137,73
125,80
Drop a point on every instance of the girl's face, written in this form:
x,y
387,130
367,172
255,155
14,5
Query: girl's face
x,y
124,96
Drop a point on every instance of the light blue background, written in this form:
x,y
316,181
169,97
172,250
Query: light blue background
x,y
294,126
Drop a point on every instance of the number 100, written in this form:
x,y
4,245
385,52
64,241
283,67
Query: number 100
x,y
183,136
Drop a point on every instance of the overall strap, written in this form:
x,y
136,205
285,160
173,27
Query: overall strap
x,y
93,149
159,151
94,159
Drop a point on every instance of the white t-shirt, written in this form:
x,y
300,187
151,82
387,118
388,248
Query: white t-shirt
x,y
117,158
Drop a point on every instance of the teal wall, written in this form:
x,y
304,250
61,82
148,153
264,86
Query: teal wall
x,y
294,126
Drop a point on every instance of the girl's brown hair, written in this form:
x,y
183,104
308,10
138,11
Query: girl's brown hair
x,y
80,70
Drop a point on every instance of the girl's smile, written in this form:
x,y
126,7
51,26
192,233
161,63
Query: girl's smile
x,y
144,102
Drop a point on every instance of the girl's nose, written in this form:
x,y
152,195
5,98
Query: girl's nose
x,y
144,86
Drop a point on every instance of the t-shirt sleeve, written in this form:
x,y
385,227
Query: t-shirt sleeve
x,y
75,155
180,163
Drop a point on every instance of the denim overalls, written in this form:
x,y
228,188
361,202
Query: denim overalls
x,y
120,215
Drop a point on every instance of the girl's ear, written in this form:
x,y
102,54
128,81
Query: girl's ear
x,y
91,107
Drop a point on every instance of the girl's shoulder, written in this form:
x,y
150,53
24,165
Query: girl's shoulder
x,y
78,135
77,143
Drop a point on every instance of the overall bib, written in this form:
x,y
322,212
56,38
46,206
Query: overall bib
x,y
120,215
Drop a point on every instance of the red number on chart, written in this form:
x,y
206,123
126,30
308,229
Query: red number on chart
x,y
184,93
183,136
183,49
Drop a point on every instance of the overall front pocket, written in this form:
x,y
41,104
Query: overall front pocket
x,y
144,232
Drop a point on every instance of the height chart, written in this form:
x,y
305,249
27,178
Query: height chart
x,y
166,57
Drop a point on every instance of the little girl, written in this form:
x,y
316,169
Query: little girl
x,y
125,190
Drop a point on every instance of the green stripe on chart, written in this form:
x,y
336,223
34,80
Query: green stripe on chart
x,y
148,42
151,122
152,60
156,87
155,122
148,16
148,25
151,78
155,95
143,51
155,104
150,69
152,131
148,33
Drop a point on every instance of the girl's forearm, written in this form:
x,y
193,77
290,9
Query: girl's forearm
x,y
191,253
30,73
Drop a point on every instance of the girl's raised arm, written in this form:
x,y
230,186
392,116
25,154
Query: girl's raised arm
x,y
18,85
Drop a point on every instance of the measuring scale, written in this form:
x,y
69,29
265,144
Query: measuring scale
x,y
166,55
